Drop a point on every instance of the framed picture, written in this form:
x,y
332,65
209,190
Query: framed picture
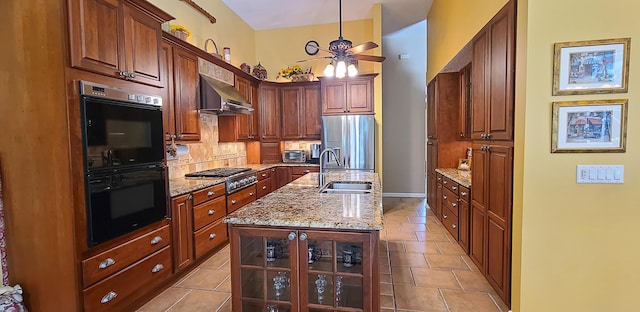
x,y
464,164
589,67
589,126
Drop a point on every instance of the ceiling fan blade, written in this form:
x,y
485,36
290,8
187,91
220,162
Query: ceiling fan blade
x,y
371,58
363,47
315,58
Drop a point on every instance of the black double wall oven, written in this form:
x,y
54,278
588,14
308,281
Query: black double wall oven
x,y
123,147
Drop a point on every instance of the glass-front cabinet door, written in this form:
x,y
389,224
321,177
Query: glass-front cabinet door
x,y
267,260
337,270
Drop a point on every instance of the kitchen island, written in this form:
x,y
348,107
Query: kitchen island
x,y
299,249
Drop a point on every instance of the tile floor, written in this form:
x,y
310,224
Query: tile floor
x,y
422,269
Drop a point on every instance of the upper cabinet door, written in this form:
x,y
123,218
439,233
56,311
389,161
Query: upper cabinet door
x,y
334,97
478,87
242,120
310,118
359,96
185,79
432,111
94,35
117,38
142,39
291,112
269,112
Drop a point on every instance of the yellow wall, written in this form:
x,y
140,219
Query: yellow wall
x,y
451,24
377,83
228,31
279,48
573,244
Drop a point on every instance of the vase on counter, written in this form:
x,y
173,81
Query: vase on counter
x,y
180,34
260,72
302,77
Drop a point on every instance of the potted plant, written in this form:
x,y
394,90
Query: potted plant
x,y
179,31
296,73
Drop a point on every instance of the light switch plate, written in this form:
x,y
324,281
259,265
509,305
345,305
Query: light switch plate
x,y
603,174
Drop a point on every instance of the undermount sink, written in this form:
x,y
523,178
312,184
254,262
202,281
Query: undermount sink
x,y
347,187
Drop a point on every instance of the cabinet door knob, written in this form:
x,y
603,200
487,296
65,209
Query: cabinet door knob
x,y
250,193
108,297
444,196
488,135
264,187
211,212
106,263
131,75
444,216
212,236
157,268
264,175
292,236
307,171
156,240
123,74
210,193
454,187
303,236
453,226
453,204
463,193
445,182
233,201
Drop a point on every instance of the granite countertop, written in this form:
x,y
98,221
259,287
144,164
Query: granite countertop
x,y
299,204
463,177
183,185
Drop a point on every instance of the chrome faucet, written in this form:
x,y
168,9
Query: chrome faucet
x,y
321,174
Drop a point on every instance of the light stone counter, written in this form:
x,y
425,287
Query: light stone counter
x,y
299,204
259,167
461,176
184,185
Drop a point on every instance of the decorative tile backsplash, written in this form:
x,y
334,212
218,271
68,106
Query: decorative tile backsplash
x,y
208,153
300,145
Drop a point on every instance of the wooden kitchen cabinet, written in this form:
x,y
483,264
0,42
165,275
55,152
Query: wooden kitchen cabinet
x,y
492,78
304,270
298,172
180,107
491,207
464,110
117,38
270,118
264,183
241,127
240,198
347,96
270,152
181,219
301,111
283,176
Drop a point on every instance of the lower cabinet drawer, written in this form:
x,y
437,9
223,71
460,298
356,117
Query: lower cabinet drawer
x,y
117,258
450,200
264,174
300,171
209,211
465,194
210,237
264,187
122,288
241,198
450,222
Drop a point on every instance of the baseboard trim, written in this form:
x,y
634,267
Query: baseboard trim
x,y
418,195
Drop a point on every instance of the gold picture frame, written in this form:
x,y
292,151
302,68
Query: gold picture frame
x,y
591,67
598,126
464,164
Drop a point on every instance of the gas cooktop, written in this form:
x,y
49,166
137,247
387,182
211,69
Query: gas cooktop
x,y
217,173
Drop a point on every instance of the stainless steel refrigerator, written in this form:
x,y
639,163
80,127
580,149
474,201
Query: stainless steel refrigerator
x,y
353,139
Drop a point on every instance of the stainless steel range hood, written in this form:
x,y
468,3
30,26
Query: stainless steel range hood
x,y
220,98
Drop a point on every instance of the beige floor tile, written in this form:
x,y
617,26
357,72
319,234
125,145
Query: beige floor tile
x,y
386,289
225,286
216,261
432,237
385,278
418,298
416,219
164,300
387,310
446,262
473,281
422,247
412,227
464,301
407,259
402,236
204,279
435,228
472,266
503,307
449,248
386,301
434,278
226,307
396,246
201,300
402,275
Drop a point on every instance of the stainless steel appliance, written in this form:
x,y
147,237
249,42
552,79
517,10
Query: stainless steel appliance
x,y
123,149
352,137
316,149
236,178
296,156
120,128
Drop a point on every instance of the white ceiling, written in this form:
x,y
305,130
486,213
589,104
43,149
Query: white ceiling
x,y
270,14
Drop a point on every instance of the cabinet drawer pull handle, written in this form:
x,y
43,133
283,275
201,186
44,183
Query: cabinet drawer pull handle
x,y
303,236
157,268
445,182
106,263
108,297
233,201
454,187
307,171
292,236
453,226
211,212
212,236
444,196
210,193
264,175
250,193
264,187
444,216
453,204
463,193
156,240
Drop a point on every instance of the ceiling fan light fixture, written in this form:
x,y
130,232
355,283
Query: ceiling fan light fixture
x,y
352,70
341,69
328,71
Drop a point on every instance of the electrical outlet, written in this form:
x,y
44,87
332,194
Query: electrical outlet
x,y
604,174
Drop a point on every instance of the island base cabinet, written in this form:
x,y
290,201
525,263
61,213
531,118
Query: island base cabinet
x,y
304,270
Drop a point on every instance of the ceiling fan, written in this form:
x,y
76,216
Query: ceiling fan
x,y
344,56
